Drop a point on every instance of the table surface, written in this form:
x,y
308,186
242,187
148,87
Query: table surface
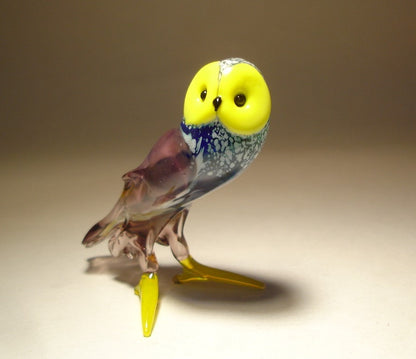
x,y
332,233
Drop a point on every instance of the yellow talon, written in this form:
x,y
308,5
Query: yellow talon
x,y
148,291
194,271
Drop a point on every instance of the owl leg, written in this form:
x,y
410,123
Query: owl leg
x,y
192,270
148,287
148,291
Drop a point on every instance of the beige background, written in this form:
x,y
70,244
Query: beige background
x,y
326,215
89,73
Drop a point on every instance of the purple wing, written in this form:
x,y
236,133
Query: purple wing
x,y
155,187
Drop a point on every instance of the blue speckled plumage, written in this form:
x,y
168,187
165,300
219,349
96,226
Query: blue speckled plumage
x,y
219,154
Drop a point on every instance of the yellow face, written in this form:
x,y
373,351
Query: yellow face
x,y
234,93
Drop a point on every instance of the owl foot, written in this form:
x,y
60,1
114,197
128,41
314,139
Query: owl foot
x,y
148,291
194,271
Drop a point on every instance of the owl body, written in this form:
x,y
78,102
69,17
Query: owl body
x,y
183,165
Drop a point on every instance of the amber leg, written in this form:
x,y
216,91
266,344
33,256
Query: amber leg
x,y
148,291
148,287
192,270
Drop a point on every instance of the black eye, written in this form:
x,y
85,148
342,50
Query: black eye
x,y
240,100
203,95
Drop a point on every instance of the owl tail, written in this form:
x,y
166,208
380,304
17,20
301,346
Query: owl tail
x,y
109,227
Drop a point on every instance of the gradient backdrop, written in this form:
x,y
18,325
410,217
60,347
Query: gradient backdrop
x,y
81,74
326,215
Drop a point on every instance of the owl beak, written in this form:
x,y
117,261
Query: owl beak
x,y
217,102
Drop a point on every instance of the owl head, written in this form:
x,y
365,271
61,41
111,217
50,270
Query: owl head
x,y
231,91
226,117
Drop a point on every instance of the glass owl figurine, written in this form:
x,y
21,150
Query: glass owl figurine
x,y
225,123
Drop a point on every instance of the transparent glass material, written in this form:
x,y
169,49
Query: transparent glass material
x,y
183,165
